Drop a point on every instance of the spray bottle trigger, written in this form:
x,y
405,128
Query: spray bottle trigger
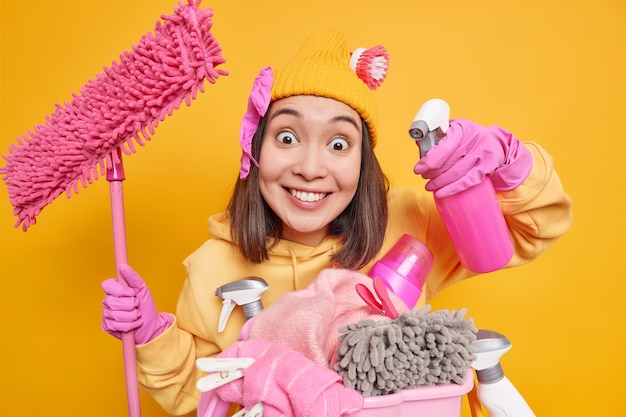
x,y
227,307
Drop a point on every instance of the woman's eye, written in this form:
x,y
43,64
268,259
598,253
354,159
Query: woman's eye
x,y
287,138
339,144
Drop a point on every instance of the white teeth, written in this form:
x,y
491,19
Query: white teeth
x,y
309,197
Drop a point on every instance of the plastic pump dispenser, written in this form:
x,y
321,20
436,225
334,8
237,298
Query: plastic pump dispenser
x,y
495,391
246,293
404,268
473,217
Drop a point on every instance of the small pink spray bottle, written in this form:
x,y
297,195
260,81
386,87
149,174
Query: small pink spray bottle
x,y
473,217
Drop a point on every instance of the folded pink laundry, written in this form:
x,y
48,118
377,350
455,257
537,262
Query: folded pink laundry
x,y
287,383
308,320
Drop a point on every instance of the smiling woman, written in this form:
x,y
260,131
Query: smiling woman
x,y
311,195
320,74
536,67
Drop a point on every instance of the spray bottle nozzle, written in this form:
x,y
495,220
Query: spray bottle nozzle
x,y
245,292
489,347
430,124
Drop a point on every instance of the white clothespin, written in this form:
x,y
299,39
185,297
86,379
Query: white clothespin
x,y
223,364
255,411
224,370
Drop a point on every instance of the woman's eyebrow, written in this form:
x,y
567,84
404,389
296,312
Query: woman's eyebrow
x,y
286,110
348,119
296,113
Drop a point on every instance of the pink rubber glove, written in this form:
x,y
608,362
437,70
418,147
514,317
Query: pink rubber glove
x,y
131,307
470,152
287,383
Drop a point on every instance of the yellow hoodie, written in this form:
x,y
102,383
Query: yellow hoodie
x,y
537,212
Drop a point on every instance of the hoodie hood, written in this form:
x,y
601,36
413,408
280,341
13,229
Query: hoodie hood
x,y
304,260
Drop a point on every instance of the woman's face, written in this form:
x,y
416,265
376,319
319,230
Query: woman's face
x,y
310,163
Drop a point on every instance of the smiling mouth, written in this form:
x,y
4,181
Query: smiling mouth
x,y
307,197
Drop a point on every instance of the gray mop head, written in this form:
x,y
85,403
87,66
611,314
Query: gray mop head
x,y
419,348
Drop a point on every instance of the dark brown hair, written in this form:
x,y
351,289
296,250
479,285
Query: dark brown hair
x,y
361,226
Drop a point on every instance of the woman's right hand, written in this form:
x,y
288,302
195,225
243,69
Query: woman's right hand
x,y
131,307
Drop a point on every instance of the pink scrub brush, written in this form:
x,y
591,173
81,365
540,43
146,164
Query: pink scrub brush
x,y
370,65
113,111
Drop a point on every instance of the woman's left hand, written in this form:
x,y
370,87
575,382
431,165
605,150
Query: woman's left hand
x,y
470,152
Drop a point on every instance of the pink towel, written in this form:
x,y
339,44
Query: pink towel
x,y
307,320
288,384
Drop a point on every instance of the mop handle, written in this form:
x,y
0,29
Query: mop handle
x,y
115,176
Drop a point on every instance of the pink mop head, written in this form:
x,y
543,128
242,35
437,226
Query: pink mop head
x,y
128,98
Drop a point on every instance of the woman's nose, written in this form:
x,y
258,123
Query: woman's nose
x,y
312,164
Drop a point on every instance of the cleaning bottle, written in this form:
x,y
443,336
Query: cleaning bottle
x,y
473,217
495,392
404,268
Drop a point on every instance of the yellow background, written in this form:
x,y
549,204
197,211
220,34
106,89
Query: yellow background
x,y
550,71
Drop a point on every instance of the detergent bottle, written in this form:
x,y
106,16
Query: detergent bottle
x,y
404,268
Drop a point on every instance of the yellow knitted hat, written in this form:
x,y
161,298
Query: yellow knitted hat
x,y
322,68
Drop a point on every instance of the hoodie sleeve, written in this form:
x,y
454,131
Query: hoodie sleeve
x,y
537,212
166,365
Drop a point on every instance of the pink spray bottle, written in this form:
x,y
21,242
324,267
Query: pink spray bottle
x,y
473,217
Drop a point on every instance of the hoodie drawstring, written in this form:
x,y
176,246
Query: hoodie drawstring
x,y
294,266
